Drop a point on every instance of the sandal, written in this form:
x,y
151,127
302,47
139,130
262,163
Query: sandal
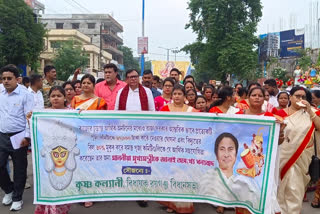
x,y
315,203
169,210
220,210
88,204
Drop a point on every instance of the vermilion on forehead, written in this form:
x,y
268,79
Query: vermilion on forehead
x,y
300,92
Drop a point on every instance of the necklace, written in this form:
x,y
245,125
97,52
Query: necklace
x,y
59,173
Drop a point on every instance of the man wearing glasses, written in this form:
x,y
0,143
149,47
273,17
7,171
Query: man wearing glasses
x,y
15,103
134,97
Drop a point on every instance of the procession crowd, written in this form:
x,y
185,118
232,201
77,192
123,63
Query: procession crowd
x,y
296,110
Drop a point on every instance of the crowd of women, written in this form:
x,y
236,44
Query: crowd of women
x,y
296,111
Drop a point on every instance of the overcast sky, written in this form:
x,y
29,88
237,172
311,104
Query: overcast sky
x,y
166,19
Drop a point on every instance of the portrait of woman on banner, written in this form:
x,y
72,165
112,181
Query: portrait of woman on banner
x,y
221,182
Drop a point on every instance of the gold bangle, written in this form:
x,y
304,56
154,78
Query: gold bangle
x,y
314,116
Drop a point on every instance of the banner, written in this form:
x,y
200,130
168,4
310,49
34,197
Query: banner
x,y
142,45
193,157
163,68
291,41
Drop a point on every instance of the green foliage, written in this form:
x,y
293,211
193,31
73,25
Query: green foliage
x,y
305,60
280,73
69,57
226,42
129,61
318,61
148,65
21,38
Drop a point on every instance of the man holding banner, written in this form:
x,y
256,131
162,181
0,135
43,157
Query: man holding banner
x,y
134,96
160,157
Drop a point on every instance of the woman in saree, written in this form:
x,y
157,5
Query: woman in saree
x,y
225,103
208,93
165,98
88,100
191,96
189,85
316,103
283,100
244,104
201,103
178,97
297,149
256,98
57,98
70,92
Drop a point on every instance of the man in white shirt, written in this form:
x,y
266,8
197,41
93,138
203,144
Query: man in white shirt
x,y
15,103
36,82
271,86
134,97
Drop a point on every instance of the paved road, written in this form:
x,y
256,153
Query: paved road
x,y
125,207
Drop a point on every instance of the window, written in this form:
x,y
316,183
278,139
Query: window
x,y
75,25
91,25
59,25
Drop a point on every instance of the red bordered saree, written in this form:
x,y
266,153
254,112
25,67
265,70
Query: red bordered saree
x,y
295,157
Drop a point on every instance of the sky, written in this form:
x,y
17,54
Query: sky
x,y
165,20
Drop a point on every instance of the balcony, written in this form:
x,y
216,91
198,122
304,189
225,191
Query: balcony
x,y
112,36
112,50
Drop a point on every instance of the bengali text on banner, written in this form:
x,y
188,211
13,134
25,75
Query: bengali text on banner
x,y
188,157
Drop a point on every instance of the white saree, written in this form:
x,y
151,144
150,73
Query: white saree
x,y
295,157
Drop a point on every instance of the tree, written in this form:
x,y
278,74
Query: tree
x,y
148,65
280,73
305,60
226,42
21,38
69,57
128,60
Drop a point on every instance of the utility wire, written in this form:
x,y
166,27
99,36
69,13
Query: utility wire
x,y
84,8
72,4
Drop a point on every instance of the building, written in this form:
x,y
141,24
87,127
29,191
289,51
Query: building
x,y
102,29
269,46
54,37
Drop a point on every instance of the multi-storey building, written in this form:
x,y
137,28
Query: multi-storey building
x,y
103,30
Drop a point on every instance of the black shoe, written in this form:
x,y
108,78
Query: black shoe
x,y
143,203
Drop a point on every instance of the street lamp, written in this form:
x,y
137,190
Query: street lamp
x,y
168,50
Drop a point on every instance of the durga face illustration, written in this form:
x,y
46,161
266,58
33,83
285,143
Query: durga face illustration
x,y
59,151
59,156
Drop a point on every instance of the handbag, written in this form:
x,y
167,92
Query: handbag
x,y
314,168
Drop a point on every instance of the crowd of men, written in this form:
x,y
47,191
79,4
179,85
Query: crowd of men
x,y
20,96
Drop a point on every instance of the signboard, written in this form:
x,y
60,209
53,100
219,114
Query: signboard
x,y
142,45
107,156
290,41
281,44
163,68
